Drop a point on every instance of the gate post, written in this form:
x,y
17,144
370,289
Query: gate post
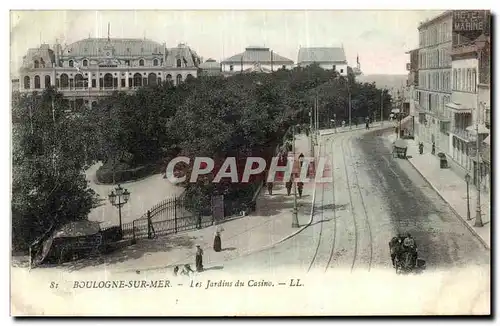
x,y
175,213
149,225
134,240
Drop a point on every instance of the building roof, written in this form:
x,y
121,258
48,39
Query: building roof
x,y
95,47
210,64
256,54
44,55
324,54
434,19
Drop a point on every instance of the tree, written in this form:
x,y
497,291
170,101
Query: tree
x,y
49,187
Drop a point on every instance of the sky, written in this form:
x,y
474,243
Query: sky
x,y
381,37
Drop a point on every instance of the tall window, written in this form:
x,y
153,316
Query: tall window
x,y
47,81
37,82
71,63
474,80
37,64
85,63
179,63
141,62
178,79
155,62
26,82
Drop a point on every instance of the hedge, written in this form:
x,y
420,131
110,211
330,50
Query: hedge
x,y
105,174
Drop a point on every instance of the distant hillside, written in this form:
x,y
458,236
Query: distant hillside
x,y
386,81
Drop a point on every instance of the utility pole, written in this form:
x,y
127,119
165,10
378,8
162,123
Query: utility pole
x,y
479,220
311,130
350,108
382,108
295,221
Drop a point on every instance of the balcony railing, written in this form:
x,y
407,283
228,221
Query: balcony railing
x,y
462,133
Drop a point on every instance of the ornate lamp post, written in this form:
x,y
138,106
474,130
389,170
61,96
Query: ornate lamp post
x,y
118,198
467,180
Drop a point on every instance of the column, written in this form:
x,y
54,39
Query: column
x,y
127,76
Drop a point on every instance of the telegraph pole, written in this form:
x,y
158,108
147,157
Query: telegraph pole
x,y
382,108
350,107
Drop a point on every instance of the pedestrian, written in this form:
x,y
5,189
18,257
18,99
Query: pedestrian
x,y
270,188
217,241
421,148
288,187
300,187
433,148
199,259
343,123
301,159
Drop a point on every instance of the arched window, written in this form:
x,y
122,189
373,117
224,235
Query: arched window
x,y
47,81
26,82
189,77
64,81
179,63
37,82
79,81
152,80
137,80
71,63
178,79
37,64
155,62
108,80
141,62
85,63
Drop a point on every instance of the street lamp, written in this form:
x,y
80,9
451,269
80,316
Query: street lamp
x,y
467,180
118,198
295,220
479,221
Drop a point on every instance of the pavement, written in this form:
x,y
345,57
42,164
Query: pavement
x,y
452,188
269,225
144,194
342,256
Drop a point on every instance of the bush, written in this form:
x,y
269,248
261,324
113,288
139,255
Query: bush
x,y
105,174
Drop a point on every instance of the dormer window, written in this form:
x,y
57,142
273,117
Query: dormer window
x,y
141,62
85,63
71,63
37,64
231,68
155,62
179,63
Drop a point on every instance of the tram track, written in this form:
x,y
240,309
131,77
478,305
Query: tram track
x,y
321,221
366,219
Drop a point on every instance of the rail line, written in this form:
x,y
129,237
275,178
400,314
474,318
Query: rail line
x,y
356,227
321,221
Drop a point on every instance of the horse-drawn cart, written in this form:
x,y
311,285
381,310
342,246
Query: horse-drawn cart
x,y
399,148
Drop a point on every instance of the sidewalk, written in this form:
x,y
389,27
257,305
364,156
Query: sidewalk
x,y
452,188
270,224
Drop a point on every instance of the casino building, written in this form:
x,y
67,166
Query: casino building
x,y
91,68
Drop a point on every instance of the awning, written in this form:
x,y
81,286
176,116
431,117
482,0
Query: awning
x,y
458,108
481,129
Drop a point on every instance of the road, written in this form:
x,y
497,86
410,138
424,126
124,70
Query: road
x,y
373,197
342,257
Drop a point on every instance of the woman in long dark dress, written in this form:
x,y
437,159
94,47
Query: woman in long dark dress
x,y
199,259
217,242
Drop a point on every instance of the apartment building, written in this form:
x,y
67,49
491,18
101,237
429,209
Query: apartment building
x,y
433,91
